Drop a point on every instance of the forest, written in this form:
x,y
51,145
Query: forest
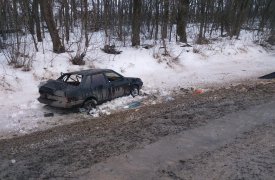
x,y
128,21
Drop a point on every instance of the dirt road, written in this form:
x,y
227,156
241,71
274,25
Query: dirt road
x,y
226,133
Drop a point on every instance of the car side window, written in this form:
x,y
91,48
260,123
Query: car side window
x,y
72,79
98,80
111,76
88,82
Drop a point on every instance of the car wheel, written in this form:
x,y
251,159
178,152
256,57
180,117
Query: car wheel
x,y
135,91
89,104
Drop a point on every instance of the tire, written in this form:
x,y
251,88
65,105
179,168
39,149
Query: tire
x,y
89,104
134,91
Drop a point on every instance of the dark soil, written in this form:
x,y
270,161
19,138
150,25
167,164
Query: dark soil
x,y
59,152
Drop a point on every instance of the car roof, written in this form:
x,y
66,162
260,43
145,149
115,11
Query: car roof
x,y
89,71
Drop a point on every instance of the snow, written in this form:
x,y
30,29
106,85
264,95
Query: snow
x,y
224,61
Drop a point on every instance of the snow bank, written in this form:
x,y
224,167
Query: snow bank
x,y
221,61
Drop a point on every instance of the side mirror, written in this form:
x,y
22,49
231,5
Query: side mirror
x,y
61,73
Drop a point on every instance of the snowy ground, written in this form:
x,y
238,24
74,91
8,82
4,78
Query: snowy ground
x,y
200,66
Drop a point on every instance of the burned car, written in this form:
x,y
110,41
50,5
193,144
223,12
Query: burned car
x,y
87,88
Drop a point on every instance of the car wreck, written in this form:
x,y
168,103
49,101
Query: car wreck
x,y
87,88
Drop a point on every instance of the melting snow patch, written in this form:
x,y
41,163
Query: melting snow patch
x,y
110,107
132,105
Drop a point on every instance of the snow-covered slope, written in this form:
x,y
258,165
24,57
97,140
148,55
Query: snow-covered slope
x,y
200,66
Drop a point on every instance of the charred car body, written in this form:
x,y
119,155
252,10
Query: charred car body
x,y
87,88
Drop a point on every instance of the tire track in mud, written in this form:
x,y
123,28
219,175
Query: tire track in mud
x,y
60,151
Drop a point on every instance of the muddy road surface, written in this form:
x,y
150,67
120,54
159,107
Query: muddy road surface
x,y
227,133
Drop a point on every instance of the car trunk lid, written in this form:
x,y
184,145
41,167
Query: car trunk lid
x,y
51,86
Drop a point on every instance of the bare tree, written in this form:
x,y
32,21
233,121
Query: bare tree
x,y
86,21
136,22
183,7
271,39
121,20
165,19
36,16
156,19
66,20
58,47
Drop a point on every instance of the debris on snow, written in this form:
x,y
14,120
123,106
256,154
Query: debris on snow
x,y
132,105
198,91
110,49
48,114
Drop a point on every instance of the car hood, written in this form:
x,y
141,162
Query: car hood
x,y
133,79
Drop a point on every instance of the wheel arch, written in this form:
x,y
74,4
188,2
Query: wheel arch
x,y
135,85
89,98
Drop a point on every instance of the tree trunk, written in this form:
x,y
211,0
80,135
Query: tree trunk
x,y
241,15
120,21
73,14
95,16
15,16
136,22
271,39
86,23
28,15
107,21
165,19
67,19
157,19
221,17
58,47
37,20
202,20
183,8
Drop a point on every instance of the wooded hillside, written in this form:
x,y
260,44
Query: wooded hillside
x,y
123,20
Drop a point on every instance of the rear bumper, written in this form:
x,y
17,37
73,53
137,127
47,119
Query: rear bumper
x,y
60,103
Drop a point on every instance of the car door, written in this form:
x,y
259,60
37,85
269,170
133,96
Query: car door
x,y
100,87
118,84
